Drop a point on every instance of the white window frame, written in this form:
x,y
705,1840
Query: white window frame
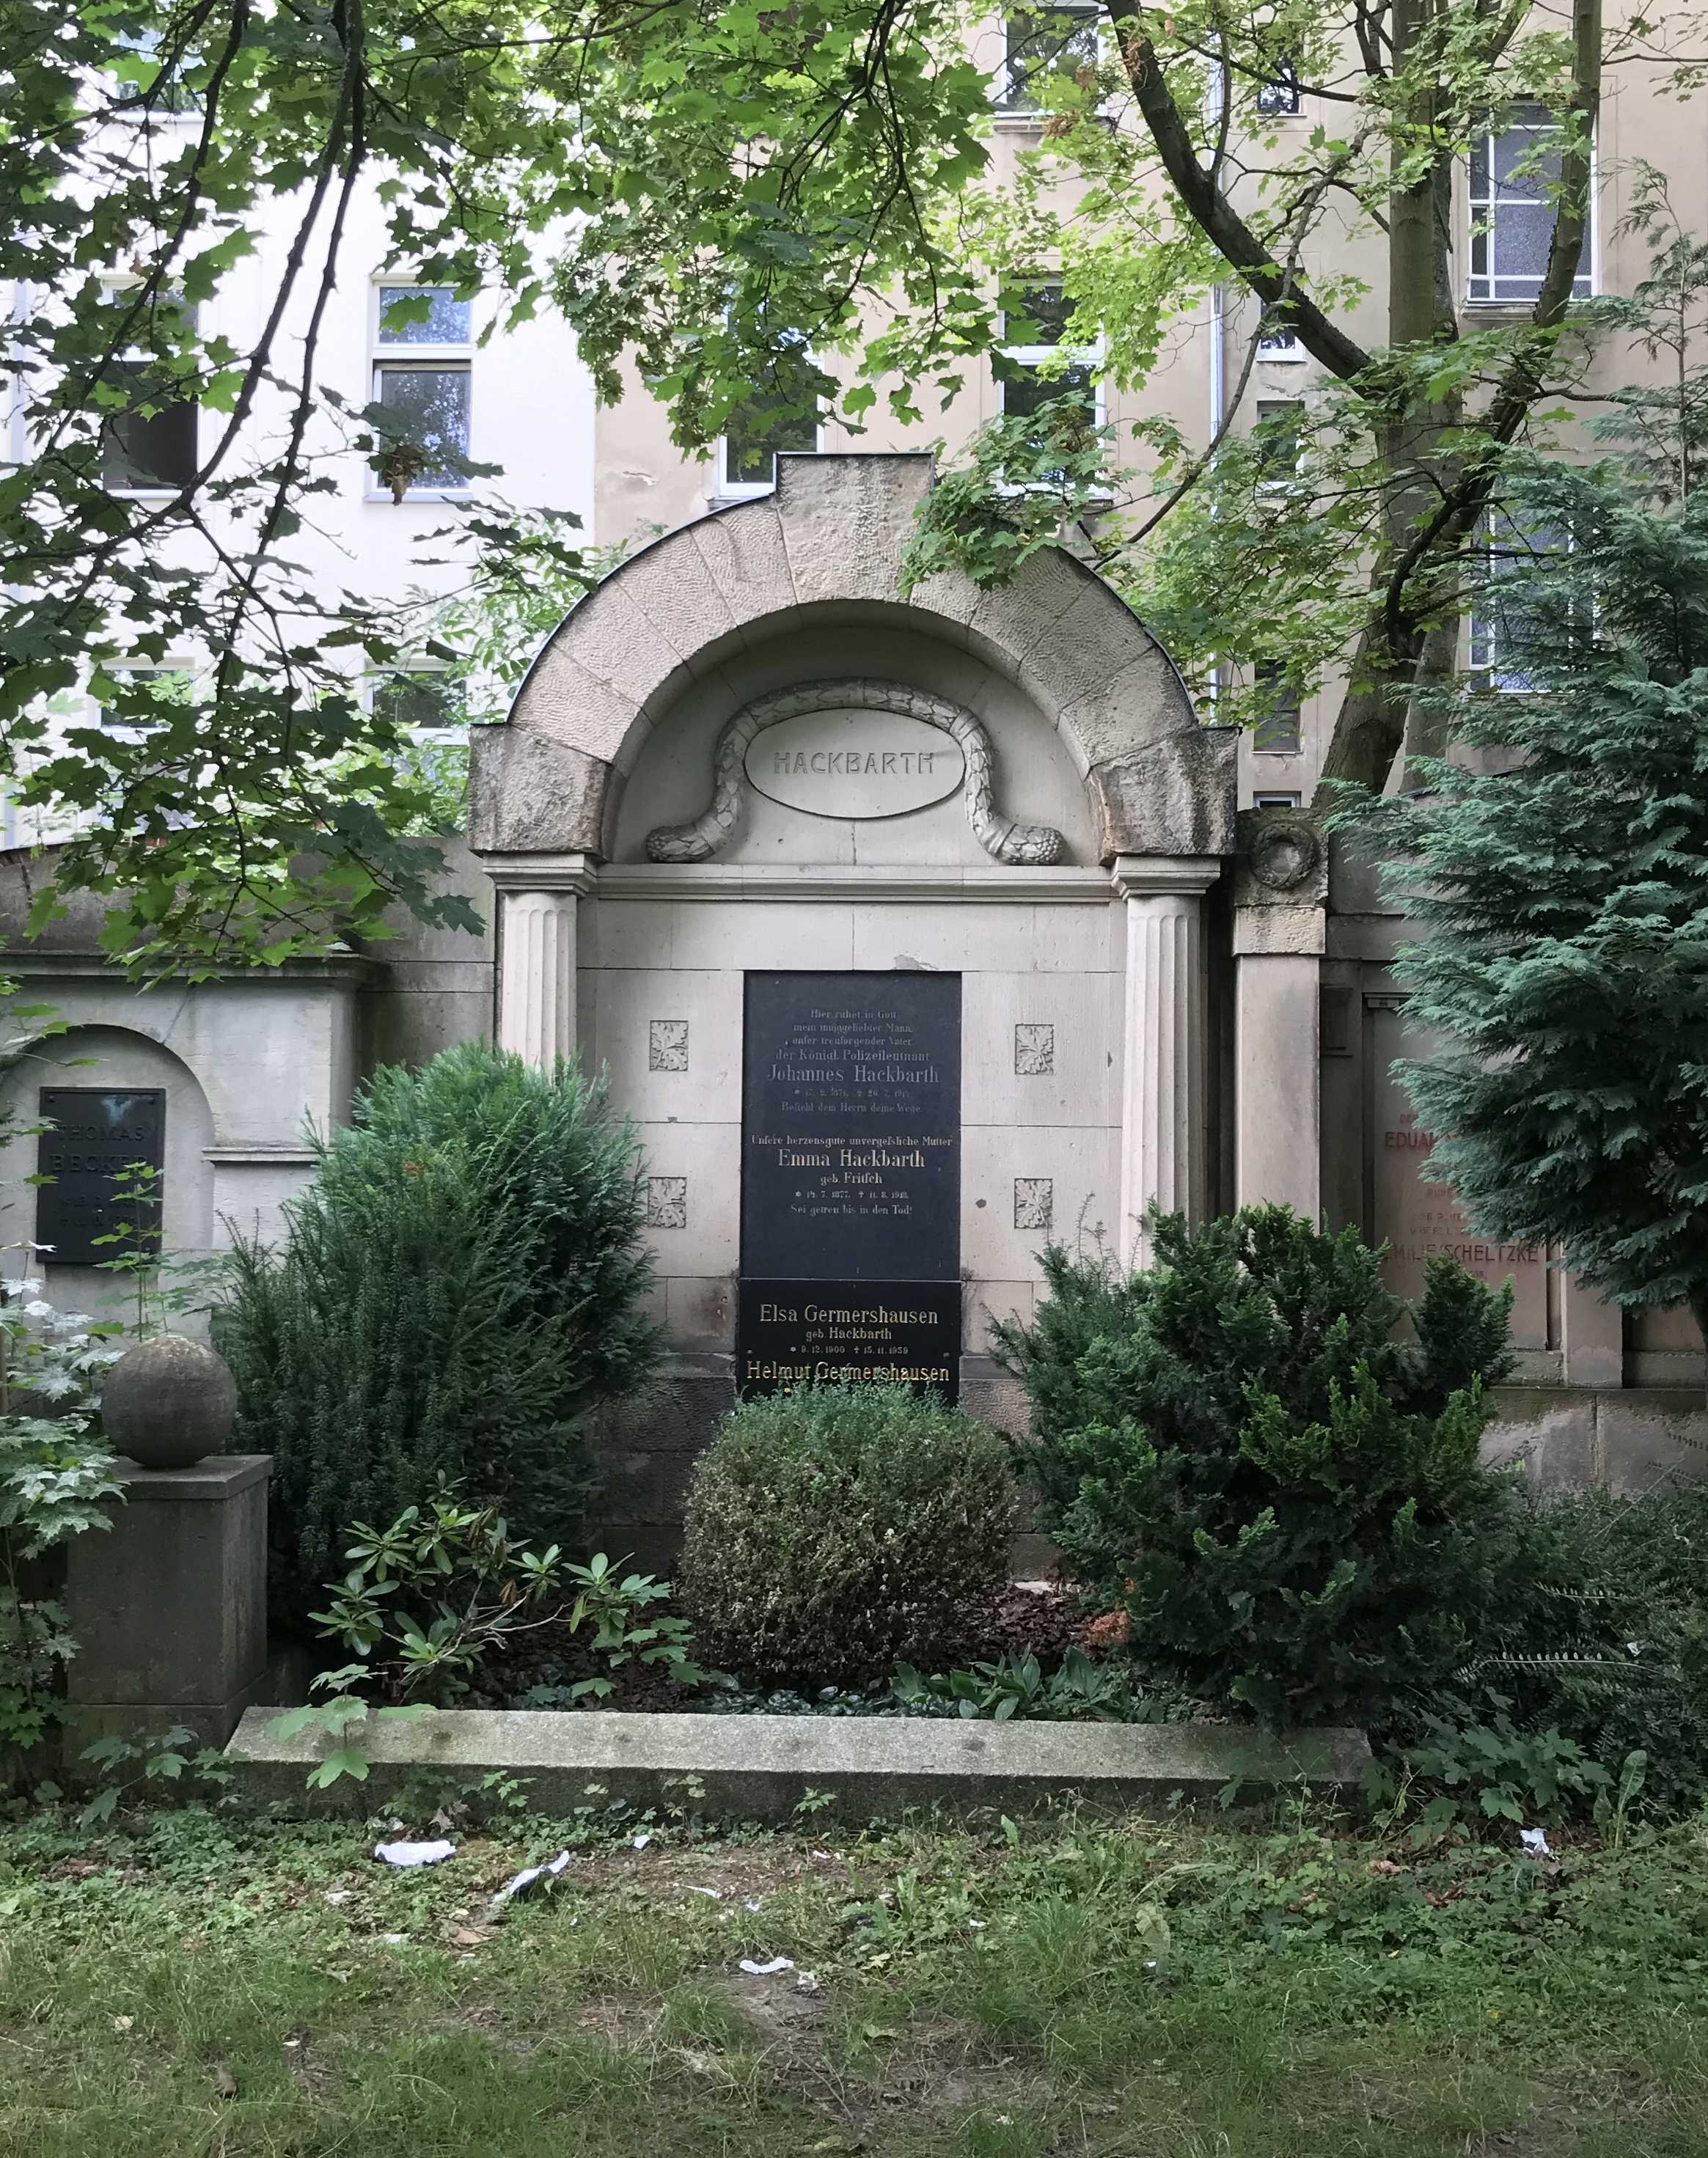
x,y
1482,210
375,679
1282,479
398,359
1270,800
1483,626
1092,355
1283,349
1258,748
1009,102
114,285
742,490
1285,84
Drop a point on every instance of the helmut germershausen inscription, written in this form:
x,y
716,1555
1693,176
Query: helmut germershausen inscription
x,y
851,1181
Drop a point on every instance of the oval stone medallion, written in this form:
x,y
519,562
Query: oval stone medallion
x,y
846,763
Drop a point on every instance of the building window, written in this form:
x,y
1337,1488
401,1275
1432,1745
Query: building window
x,y
1278,340
1279,98
121,690
747,457
1274,801
138,82
1275,725
148,444
1278,438
781,415
1034,333
420,700
1509,610
424,351
1043,43
1514,177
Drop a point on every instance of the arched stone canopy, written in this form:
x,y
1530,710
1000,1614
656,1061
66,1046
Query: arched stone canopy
x,y
829,540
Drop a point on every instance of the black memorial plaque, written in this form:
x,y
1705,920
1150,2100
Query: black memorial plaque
x,y
851,1180
95,1132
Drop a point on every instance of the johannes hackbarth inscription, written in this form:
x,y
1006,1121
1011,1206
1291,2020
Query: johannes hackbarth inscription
x,y
843,762
850,1200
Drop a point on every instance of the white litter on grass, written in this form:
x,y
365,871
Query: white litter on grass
x,y
1534,1839
337,1895
415,1854
518,1884
716,1894
394,1940
975,1925
766,1970
753,1903
808,1982
641,1841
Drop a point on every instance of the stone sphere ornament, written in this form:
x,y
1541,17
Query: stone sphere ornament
x,y
169,1402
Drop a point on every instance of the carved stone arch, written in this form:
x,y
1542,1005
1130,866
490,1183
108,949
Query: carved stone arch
x,y
827,547
1001,836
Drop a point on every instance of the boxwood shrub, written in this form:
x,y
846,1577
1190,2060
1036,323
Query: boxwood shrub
x,y
835,1531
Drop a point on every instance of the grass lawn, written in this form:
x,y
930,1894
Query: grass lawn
x,y
189,1984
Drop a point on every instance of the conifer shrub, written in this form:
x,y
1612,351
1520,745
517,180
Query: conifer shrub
x,y
459,1290
1235,1447
836,1532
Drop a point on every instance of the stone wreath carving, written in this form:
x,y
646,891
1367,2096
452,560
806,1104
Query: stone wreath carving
x,y
1028,845
1285,852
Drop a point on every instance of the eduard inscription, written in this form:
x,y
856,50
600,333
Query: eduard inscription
x,y
848,763
850,1200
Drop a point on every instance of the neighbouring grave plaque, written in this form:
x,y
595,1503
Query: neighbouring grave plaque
x,y
1418,1219
94,1133
851,1180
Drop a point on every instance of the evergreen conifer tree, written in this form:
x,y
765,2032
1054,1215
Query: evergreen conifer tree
x,y
1562,886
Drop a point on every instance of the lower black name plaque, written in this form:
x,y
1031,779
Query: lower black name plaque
x,y
817,1333
90,1134
851,1181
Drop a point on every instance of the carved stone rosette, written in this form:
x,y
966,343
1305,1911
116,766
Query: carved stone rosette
x,y
1029,845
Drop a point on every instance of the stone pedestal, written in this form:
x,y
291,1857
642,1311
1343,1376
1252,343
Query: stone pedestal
x,y
169,1606
1279,940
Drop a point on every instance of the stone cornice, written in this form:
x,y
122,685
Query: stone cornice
x,y
878,886
1145,877
575,873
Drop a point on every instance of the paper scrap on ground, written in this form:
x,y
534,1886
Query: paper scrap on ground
x,y
415,1854
716,1894
518,1884
766,1970
1534,1839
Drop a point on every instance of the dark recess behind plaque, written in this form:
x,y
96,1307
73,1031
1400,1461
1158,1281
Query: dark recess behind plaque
x,y
97,1132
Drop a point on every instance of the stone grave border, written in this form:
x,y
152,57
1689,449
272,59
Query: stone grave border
x,y
759,1767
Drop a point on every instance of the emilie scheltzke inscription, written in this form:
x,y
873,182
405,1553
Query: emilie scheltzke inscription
x,y
851,1179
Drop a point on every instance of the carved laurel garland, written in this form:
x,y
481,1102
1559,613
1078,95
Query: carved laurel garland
x,y
1030,845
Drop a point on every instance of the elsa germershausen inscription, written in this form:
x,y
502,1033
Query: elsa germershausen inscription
x,y
851,1180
